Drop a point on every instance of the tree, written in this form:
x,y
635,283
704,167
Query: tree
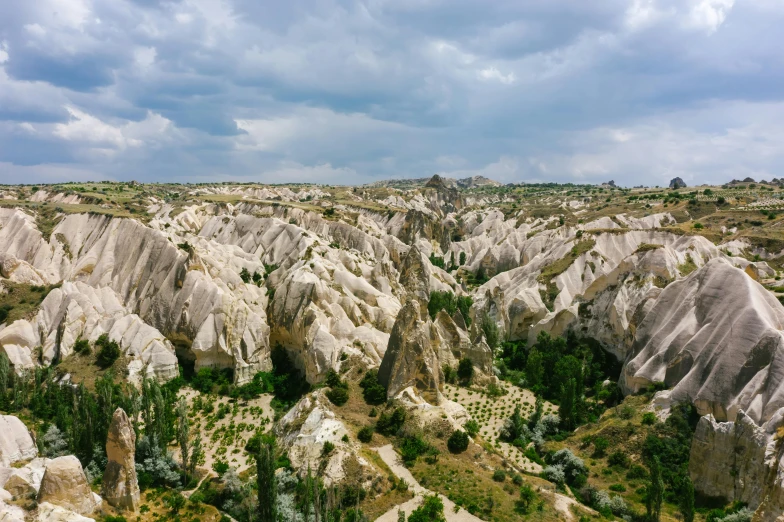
x,y
265,480
108,353
534,369
490,330
431,510
686,500
183,435
527,497
465,369
458,441
55,444
655,490
462,258
567,408
197,455
373,391
5,367
245,275
514,426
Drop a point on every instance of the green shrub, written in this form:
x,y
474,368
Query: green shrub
x,y
327,449
499,475
619,458
431,510
649,418
465,370
81,346
220,467
413,447
390,423
637,472
526,500
472,428
619,488
458,442
337,396
373,391
600,445
108,353
365,434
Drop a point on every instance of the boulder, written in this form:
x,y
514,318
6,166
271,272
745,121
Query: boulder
x,y
25,480
65,484
120,486
16,443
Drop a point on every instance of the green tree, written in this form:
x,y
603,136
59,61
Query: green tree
x,y
431,510
265,481
458,442
462,258
655,490
686,500
5,368
527,497
183,435
490,330
567,408
534,369
465,369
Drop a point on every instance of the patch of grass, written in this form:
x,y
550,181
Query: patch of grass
x,y
646,247
22,301
687,267
558,267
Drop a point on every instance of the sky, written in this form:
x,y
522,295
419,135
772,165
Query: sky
x,y
350,92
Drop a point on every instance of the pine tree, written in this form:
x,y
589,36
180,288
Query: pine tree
x,y
265,480
655,490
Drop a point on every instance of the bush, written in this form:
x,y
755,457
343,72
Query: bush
x,y
365,434
499,475
327,449
337,396
431,510
458,442
619,458
220,467
649,418
390,423
637,472
81,346
472,428
600,445
373,391
527,498
450,374
620,488
108,353
413,447
465,370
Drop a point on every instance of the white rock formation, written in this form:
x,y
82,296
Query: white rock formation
x,y
16,443
120,486
64,484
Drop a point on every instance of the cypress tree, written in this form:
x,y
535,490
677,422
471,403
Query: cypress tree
x,y
655,493
686,501
265,480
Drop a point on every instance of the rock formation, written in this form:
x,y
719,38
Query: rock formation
x,y
683,342
65,484
16,443
676,183
120,486
410,359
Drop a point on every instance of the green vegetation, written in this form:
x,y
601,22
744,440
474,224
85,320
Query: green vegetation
x,y
338,390
373,391
431,510
458,442
450,304
108,351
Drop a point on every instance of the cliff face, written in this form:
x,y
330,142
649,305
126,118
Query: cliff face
x,y
740,461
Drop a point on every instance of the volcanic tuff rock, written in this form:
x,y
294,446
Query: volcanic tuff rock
x,y
51,513
16,443
410,359
64,484
79,311
120,486
676,183
25,480
682,342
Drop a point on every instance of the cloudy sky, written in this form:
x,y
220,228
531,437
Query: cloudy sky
x,y
333,91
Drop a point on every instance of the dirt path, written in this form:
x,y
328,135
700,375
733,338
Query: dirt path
x,y
391,459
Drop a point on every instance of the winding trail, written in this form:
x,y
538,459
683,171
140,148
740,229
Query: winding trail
x,y
390,458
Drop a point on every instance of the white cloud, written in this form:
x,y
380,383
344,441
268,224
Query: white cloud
x,y
88,129
145,56
491,73
710,14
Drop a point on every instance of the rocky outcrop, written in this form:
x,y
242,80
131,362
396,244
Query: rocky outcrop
x,y
740,461
51,513
676,183
25,480
410,359
120,486
16,443
715,338
64,484
79,311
